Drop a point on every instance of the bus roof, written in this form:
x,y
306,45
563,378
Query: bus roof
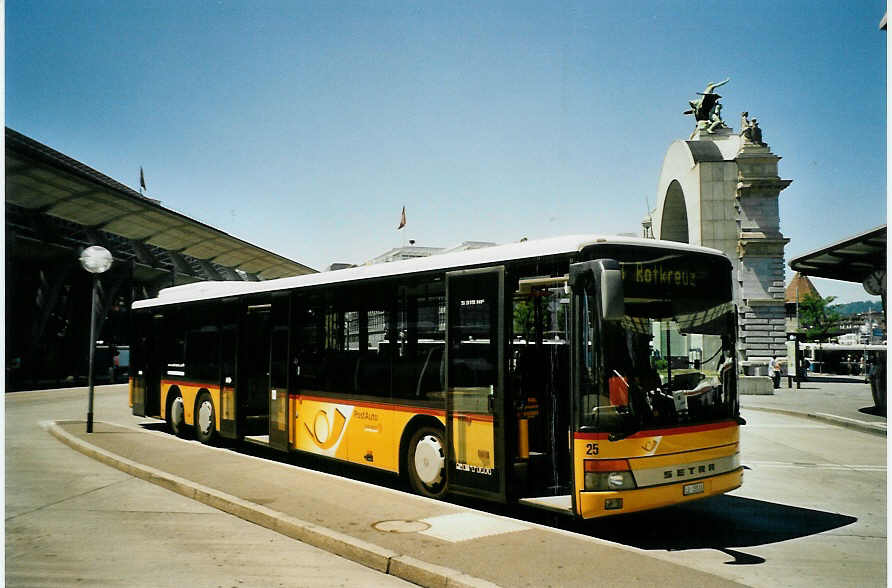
x,y
474,257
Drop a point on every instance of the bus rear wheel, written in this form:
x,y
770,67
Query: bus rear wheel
x,y
205,421
426,462
176,415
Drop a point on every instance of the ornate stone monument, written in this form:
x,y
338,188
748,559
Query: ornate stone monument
x,y
720,189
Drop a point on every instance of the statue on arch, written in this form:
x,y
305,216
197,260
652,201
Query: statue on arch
x,y
750,130
704,107
715,119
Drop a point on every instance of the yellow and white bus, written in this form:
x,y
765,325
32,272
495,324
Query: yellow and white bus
x,y
585,375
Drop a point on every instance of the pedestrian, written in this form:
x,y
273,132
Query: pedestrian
x,y
775,371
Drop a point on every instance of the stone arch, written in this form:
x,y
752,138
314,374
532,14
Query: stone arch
x,y
704,196
680,190
674,219
721,192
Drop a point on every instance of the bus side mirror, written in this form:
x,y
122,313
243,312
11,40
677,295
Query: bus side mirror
x,y
608,278
613,306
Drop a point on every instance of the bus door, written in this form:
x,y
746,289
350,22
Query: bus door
x,y
228,407
278,372
475,402
154,365
253,372
145,365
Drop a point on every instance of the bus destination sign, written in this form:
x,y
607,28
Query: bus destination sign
x,y
659,274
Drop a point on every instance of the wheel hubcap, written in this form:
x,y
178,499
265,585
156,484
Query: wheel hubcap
x,y
205,411
177,411
430,459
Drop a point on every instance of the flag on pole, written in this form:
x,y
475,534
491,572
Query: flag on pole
x,y
142,180
402,219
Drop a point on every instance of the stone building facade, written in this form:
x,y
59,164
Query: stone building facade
x,y
721,190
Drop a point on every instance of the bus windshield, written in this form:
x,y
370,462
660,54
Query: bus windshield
x,y
668,362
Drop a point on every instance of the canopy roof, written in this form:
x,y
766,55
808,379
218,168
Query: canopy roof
x,y
852,259
43,180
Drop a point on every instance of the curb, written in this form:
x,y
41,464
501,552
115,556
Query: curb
x,y
362,552
848,423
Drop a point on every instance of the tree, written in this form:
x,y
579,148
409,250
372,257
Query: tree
x,y
817,317
525,317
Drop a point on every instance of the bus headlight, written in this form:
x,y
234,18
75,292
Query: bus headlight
x,y
608,474
620,480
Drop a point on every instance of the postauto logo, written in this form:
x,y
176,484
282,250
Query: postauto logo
x,y
324,433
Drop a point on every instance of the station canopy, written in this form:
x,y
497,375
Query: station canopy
x,y
853,260
42,180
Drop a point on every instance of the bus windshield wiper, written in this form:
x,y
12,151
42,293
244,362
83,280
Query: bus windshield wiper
x,y
631,426
620,435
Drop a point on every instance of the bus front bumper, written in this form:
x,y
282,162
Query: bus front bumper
x,y
595,504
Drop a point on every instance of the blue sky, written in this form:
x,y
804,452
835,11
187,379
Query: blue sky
x,y
304,127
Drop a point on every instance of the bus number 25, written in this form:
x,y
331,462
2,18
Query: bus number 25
x,y
591,449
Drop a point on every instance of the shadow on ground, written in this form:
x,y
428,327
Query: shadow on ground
x,y
872,410
162,426
721,523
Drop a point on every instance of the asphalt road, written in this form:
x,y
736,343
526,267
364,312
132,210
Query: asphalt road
x,y
811,512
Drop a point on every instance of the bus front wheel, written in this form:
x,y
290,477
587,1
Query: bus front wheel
x,y
176,415
426,462
205,422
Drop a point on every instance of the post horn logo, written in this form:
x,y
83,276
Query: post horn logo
x,y
324,434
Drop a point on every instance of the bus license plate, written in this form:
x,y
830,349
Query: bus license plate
x,y
690,489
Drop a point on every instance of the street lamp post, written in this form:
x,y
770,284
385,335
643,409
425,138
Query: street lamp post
x,y
95,260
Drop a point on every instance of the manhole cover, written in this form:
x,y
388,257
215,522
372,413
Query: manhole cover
x,y
401,526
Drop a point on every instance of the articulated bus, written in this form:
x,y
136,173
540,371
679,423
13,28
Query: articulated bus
x,y
584,375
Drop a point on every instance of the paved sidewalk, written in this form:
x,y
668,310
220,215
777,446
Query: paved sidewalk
x,y
841,400
424,541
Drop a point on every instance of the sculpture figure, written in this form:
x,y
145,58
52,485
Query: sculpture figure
x,y
715,119
750,130
757,133
702,108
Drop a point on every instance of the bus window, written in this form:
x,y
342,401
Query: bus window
x,y
372,371
174,350
306,346
418,371
472,363
202,356
279,357
341,345
593,401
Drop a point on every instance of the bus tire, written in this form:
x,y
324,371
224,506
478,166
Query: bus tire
x,y
426,462
176,414
205,419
